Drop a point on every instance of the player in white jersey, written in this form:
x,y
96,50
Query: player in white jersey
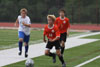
x,y
24,30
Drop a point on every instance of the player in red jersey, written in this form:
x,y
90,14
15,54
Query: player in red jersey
x,y
63,25
53,35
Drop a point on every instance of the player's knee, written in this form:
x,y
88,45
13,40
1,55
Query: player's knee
x,y
21,40
25,44
63,43
58,53
46,53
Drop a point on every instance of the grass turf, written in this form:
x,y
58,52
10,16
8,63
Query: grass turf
x,y
9,38
73,56
93,37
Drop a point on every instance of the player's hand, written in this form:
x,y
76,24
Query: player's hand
x,y
23,23
45,40
51,40
67,33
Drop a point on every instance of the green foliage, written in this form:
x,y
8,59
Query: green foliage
x,y
38,9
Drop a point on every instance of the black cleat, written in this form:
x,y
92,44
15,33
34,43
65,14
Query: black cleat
x,y
26,55
64,65
54,58
20,53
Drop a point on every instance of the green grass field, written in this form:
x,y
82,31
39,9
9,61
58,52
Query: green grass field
x,y
9,38
72,56
93,37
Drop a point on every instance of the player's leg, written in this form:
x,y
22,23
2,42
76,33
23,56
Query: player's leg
x,y
53,55
62,42
61,57
26,49
58,52
21,36
26,41
62,46
48,53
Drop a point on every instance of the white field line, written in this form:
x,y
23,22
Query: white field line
x,y
89,34
10,56
86,62
73,35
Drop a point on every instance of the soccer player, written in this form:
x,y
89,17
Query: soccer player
x,y
24,30
52,33
63,25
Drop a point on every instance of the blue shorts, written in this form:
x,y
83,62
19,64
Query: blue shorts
x,y
25,37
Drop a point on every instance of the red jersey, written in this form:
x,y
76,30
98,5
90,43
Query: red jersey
x,y
51,33
63,24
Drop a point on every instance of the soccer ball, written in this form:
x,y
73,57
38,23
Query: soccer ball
x,y
29,63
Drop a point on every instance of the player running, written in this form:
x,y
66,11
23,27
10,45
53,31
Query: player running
x,y
53,35
24,30
63,25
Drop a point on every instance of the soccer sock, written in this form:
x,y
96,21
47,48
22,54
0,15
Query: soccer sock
x,y
26,48
20,46
51,54
62,50
61,59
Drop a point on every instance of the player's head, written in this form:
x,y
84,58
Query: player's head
x,y
23,12
62,12
51,19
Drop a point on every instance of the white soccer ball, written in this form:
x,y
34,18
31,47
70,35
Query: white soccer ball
x,y
29,63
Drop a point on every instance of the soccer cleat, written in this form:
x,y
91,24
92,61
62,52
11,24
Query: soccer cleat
x,y
26,55
54,58
64,65
20,53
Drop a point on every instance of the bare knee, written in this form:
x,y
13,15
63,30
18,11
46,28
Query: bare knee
x,y
63,44
21,39
46,52
58,52
25,44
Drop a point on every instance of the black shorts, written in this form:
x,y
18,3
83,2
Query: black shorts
x,y
63,37
56,44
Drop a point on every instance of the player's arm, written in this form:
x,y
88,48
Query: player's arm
x,y
68,28
44,36
67,32
27,25
16,23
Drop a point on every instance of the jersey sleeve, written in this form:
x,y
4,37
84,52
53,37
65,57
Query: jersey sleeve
x,y
57,32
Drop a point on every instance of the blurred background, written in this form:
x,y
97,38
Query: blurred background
x,y
78,11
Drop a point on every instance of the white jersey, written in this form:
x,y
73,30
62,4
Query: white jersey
x,y
23,28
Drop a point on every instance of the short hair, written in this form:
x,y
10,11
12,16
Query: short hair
x,y
23,9
52,17
62,10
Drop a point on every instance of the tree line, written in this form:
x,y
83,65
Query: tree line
x,y
76,10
